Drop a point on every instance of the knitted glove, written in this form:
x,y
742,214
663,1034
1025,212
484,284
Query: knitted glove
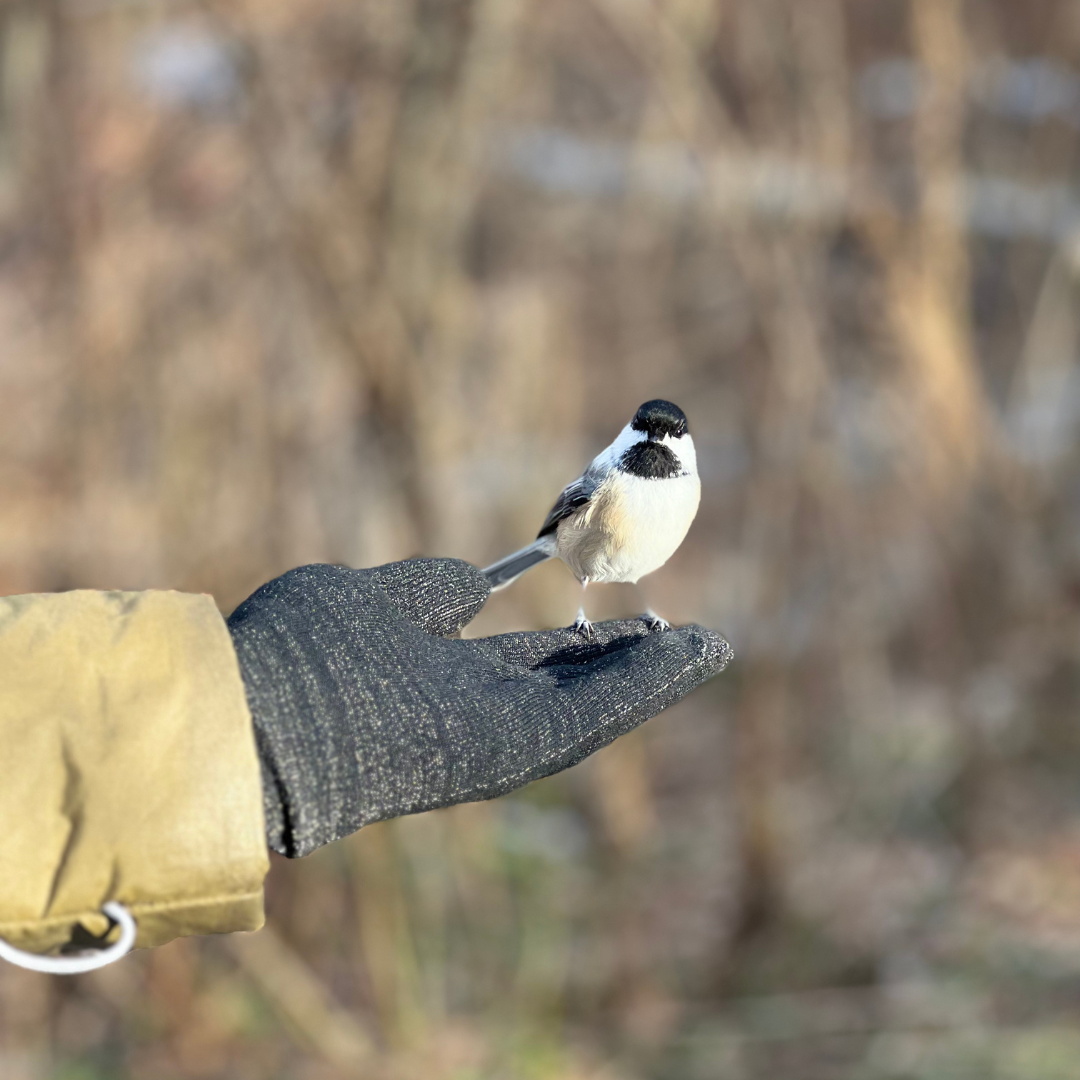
x,y
365,708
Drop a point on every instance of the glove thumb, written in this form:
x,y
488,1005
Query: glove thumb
x,y
438,595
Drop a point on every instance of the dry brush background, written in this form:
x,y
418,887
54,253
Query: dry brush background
x,y
352,280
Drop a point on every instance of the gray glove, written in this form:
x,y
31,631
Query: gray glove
x,y
365,708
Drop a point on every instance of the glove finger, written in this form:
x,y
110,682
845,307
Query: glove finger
x,y
595,692
565,654
531,648
622,687
642,674
438,595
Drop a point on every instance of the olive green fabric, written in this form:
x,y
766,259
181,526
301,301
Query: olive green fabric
x,y
129,769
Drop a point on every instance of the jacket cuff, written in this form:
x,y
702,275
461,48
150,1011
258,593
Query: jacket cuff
x,y
130,769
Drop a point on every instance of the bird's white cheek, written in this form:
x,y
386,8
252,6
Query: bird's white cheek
x,y
683,448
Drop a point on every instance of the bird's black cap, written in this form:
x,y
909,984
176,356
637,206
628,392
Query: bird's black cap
x,y
659,418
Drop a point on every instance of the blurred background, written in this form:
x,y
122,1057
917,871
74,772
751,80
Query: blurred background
x,y
355,280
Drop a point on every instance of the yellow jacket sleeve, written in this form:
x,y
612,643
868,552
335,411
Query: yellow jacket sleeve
x,y
129,769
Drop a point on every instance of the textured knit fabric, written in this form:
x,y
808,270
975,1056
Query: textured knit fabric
x,y
365,709
130,769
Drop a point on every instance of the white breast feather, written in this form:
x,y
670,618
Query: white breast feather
x,y
653,518
631,528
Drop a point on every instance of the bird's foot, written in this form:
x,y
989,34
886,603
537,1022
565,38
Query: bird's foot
x,y
583,627
654,622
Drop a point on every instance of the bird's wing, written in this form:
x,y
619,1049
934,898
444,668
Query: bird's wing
x,y
574,496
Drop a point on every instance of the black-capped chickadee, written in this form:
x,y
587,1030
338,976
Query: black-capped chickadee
x,y
626,515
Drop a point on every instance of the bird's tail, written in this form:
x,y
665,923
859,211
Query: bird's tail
x,y
513,566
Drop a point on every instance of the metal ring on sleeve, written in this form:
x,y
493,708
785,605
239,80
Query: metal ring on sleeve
x,y
80,962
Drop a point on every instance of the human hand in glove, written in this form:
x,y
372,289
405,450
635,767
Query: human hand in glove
x,y
365,708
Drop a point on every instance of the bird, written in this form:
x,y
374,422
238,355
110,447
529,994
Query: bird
x,y
627,513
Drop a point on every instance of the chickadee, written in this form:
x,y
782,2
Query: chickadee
x,y
626,515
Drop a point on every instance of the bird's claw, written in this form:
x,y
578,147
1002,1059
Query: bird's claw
x,y
654,622
583,627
